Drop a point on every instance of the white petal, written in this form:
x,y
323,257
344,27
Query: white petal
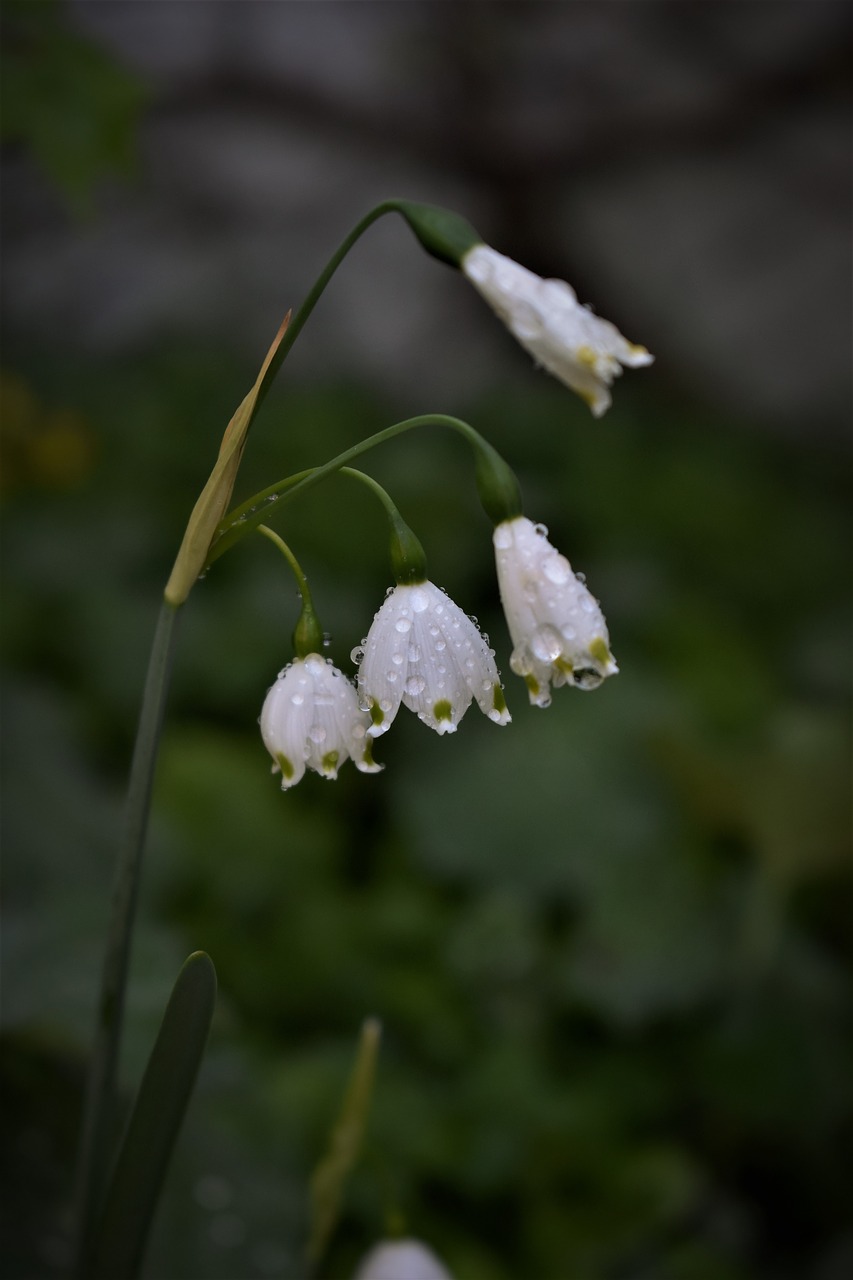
x,y
284,722
555,623
401,1260
311,716
382,673
424,651
570,341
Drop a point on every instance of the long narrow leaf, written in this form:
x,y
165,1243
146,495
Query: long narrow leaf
x,y
330,1176
154,1123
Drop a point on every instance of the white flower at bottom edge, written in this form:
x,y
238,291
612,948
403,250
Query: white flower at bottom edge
x,y
570,341
422,650
401,1260
556,625
311,718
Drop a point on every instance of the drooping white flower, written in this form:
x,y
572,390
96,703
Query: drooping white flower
x,y
401,1260
556,625
570,341
311,719
422,650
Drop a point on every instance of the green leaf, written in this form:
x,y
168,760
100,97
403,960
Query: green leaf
x,y
216,494
330,1176
155,1121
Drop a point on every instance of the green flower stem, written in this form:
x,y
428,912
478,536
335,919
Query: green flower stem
x,y
99,1115
301,580
407,555
442,233
308,634
255,510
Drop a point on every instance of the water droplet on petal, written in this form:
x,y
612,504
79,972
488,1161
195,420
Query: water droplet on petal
x,y
357,654
403,625
419,599
415,685
317,733
546,644
556,569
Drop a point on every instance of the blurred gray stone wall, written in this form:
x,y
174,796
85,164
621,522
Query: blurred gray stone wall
x,y
684,165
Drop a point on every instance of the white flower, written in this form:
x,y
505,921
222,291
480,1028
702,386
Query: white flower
x,y
311,717
557,627
401,1260
424,651
583,351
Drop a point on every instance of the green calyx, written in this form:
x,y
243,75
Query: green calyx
x,y
408,559
444,234
496,483
307,634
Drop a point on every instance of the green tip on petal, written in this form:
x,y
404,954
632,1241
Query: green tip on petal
x,y
498,699
563,665
285,765
599,651
329,763
443,711
377,715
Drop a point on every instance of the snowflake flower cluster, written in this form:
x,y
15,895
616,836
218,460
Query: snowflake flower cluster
x,y
422,651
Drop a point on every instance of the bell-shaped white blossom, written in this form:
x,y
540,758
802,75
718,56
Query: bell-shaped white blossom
x,y
422,650
401,1260
311,718
556,625
570,341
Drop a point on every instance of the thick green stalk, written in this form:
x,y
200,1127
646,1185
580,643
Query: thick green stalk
x,y
99,1116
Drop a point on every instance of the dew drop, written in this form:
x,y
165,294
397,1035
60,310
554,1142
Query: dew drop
x,y
440,646
415,685
546,644
317,733
403,625
397,659
297,699
541,529
414,654
556,569
419,599
357,654
587,678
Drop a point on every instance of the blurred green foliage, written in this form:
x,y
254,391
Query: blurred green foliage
x,y
608,944
65,99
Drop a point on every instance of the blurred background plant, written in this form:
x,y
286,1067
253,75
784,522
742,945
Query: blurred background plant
x,y
609,946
